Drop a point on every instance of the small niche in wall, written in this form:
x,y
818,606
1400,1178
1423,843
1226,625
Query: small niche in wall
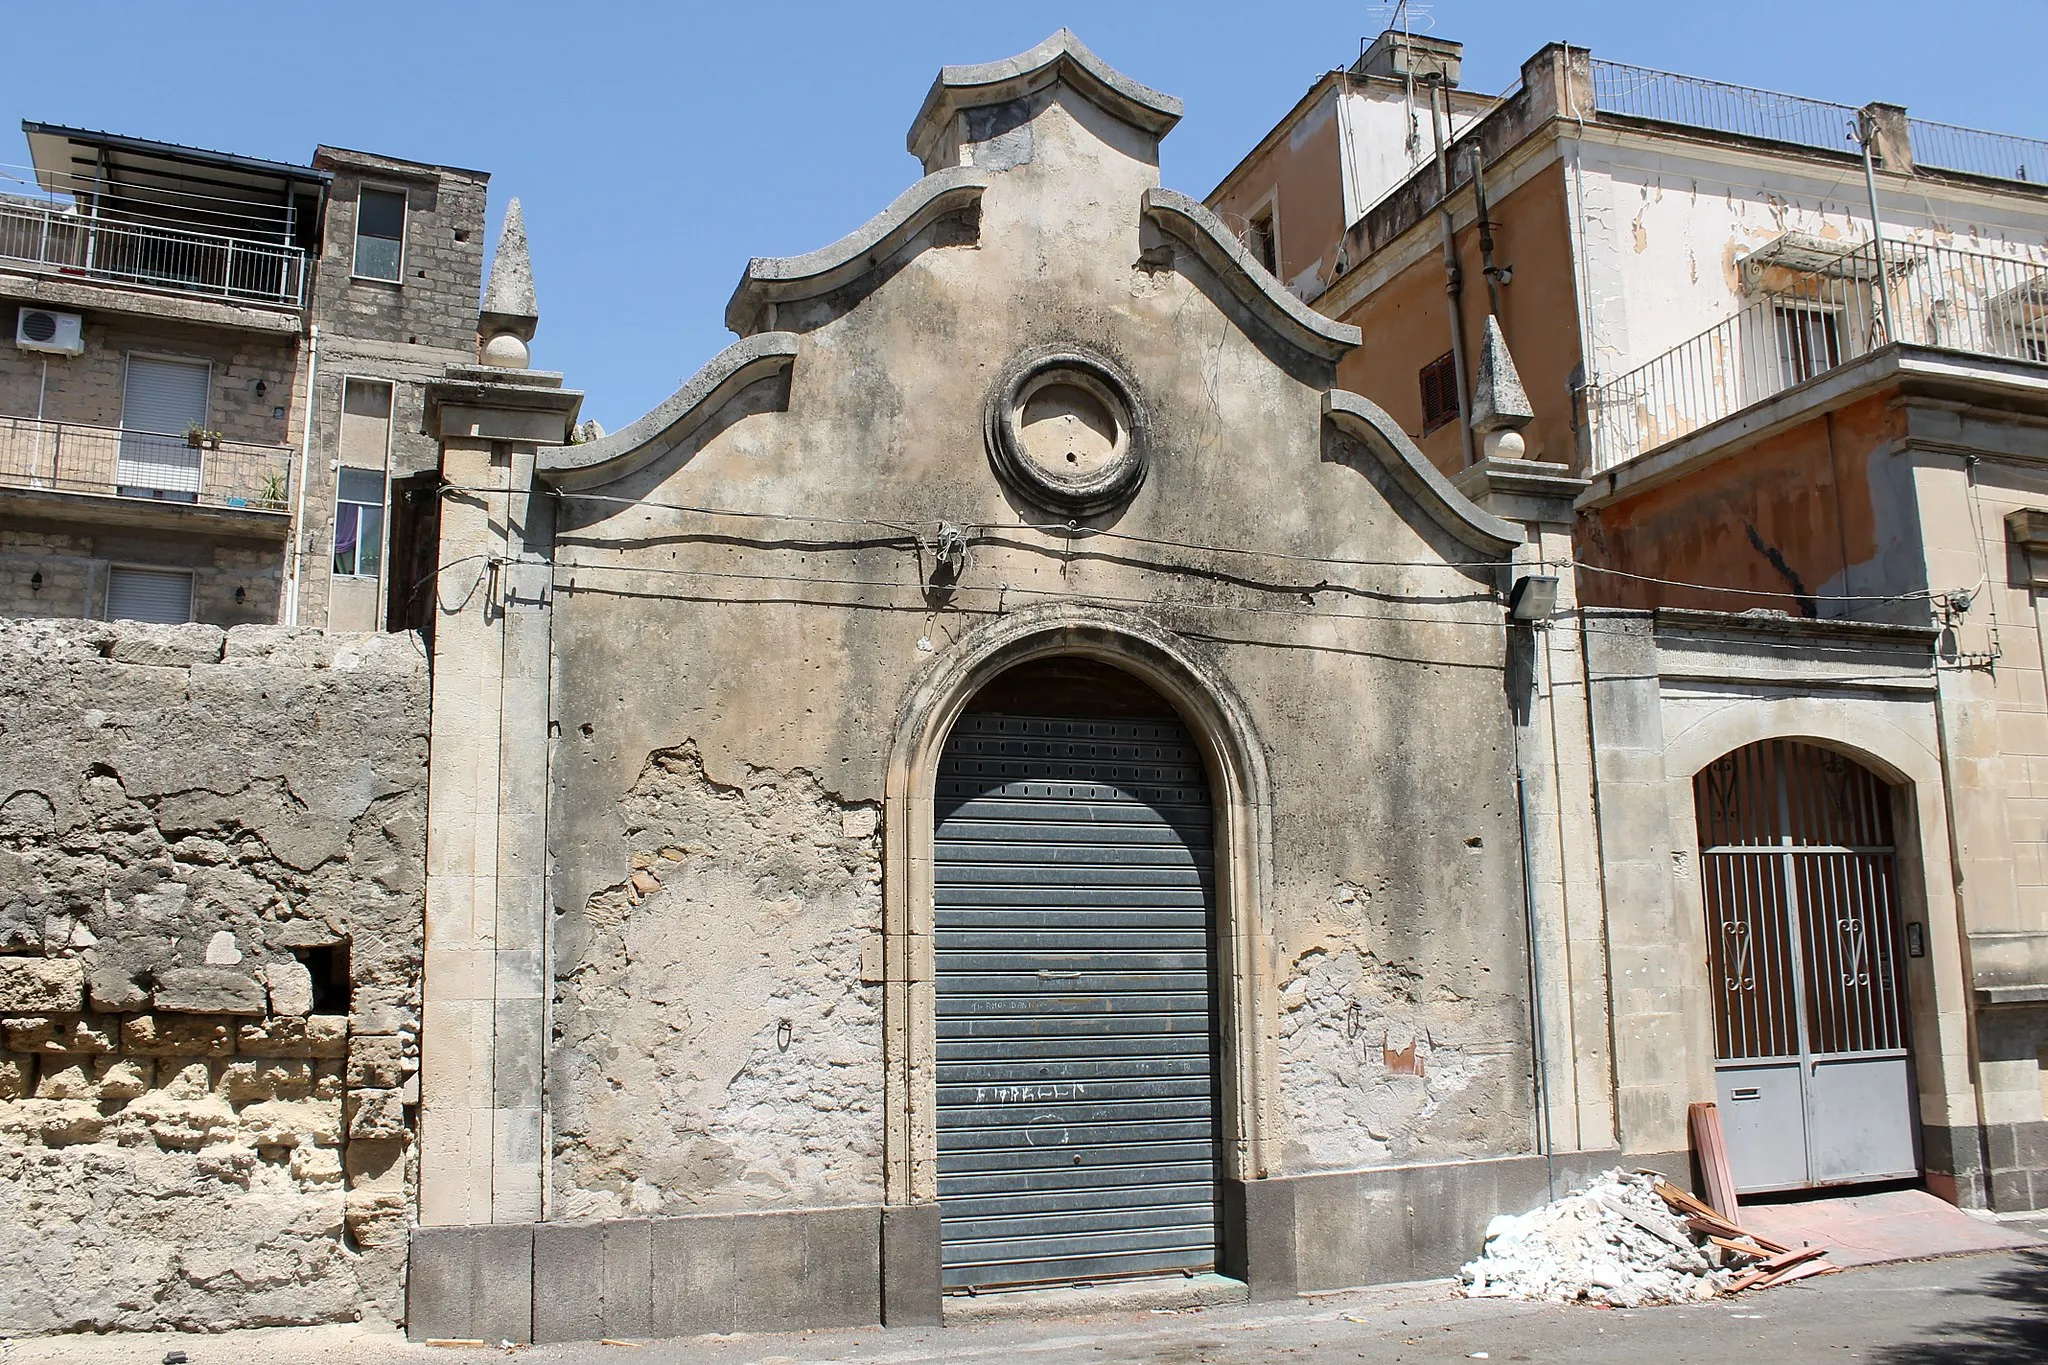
x,y
328,965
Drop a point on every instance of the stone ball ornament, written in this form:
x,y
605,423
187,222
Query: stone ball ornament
x,y
1065,431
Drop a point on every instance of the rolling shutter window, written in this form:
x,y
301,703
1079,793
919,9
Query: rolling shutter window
x,y
161,401
160,595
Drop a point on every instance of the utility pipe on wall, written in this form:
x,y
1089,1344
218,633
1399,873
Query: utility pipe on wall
x,y
291,613
1866,133
1453,288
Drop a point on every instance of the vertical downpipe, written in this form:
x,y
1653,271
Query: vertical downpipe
x,y
1453,289
1866,133
291,614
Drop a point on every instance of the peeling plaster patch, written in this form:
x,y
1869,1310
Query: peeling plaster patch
x,y
715,1045
1379,1066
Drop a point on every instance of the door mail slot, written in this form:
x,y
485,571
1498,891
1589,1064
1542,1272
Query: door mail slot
x,y
1747,1092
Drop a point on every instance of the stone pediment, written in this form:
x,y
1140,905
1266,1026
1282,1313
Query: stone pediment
x,y
937,136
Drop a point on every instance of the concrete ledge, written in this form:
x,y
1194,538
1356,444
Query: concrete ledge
x,y
776,279
682,412
1202,231
1366,421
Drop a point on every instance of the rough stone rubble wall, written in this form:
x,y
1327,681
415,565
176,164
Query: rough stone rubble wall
x,y
211,890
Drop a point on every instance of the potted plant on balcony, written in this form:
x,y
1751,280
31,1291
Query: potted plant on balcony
x,y
197,436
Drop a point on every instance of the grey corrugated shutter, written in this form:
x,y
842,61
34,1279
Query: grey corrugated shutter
x,y
161,401
1076,1032
160,595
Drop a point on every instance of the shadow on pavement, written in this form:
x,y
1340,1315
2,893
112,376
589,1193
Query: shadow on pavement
x,y
2021,1335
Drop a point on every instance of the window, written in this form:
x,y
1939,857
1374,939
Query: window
x,y
162,401
1809,343
160,595
380,234
1439,393
359,523
1263,242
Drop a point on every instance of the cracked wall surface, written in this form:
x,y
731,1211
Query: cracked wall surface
x,y
716,1048
211,874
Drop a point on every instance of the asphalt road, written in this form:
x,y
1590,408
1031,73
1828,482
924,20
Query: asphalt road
x,y
1973,1310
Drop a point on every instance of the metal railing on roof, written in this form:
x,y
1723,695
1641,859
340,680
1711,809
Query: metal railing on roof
x,y
1666,97
68,457
2000,156
1812,321
214,249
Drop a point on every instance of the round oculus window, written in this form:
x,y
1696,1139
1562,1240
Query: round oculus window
x,y
1064,431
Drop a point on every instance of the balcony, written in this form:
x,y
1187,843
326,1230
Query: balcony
x,y
1794,120
55,239
147,477
1815,308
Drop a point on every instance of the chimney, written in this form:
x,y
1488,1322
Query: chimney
x,y
1399,56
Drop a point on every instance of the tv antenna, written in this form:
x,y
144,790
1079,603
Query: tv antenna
x,y
1409,16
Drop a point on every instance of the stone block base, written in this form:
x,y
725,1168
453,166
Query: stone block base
x,y
1999,1166
659,1277
1392,1224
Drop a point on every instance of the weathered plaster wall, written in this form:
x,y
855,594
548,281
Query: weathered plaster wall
x,y
1805,519
720,681
1407,325
1666,225
210,896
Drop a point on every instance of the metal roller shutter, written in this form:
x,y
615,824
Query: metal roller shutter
x,y
161,401
160,595
1076,1031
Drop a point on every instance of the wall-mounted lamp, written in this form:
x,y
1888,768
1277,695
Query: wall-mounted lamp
x,y
241,596
261,388
35,581
1533,597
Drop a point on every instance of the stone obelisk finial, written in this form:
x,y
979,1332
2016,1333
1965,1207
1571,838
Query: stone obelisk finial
x,y
1500,406
511,311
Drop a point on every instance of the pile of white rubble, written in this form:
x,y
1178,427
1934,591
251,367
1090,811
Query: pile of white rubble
x,y
1616,1242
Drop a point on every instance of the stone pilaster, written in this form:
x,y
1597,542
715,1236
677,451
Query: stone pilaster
x,y
1555,749
485,1030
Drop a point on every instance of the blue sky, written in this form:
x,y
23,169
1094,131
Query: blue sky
x,y
656,147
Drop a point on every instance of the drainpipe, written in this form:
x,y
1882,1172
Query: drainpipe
x,y
1452,286
1866,133
1487,267
291,611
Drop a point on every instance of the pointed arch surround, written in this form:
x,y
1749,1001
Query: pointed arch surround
x,y
1238,780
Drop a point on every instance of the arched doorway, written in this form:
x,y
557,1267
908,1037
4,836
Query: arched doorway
x,y
1799,875
1074,968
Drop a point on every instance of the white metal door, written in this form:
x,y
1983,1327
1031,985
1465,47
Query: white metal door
x,y
1798,873
161,401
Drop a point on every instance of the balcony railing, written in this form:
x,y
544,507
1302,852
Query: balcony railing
x,y
57,239
1689,101
148,466
1945,147
1814,320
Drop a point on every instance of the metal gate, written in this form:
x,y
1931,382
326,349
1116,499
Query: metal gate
x,y
1799,875
1076,1034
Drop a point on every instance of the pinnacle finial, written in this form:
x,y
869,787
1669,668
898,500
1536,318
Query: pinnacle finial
x,y
511,309
1500,405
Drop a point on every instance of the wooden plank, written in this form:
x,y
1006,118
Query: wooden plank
x,y
1740,1246
1680,1200
1800,1272
1704,1119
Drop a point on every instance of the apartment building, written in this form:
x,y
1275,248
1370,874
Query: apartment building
x,y
210,371
1783,362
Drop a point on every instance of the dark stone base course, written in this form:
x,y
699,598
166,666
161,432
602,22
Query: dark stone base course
x,y
742,1272
1399,1223
1999,1166
662,1277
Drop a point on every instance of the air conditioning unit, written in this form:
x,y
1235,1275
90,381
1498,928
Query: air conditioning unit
x,y
39,329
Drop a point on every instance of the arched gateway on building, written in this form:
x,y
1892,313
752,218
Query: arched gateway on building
x,y
1806,955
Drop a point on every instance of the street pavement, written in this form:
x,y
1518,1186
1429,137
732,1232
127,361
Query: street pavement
x,y
1987,1309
